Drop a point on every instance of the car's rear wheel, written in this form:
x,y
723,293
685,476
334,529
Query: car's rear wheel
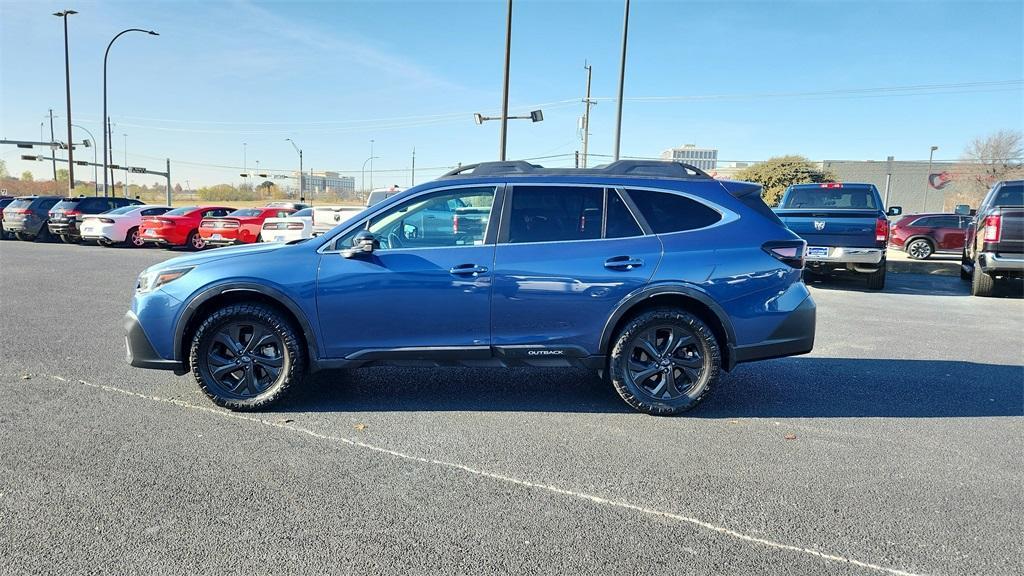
x,y
24,237
664,361
982,283
920,249
195,241
134,238
247,356
876,279
67,238
965,266
44,235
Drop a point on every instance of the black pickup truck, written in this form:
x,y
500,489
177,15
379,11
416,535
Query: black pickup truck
x,y
994,247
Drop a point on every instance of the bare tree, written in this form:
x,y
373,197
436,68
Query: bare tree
x,y
985,161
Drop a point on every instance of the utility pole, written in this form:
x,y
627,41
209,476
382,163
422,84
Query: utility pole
x,y
622,82
504,89
412,179
52,150
168,181
371,159
586,117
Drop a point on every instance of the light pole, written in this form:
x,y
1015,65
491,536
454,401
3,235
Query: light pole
x,y
67,79
245,167
299,150
503,139
371,163
127,172
95,177
928,176
362,172
106,119
622,82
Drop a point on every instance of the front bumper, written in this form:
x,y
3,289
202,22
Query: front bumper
x,y
794,336
992,262
140,352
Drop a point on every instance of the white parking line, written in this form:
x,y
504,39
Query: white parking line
x,y
500,477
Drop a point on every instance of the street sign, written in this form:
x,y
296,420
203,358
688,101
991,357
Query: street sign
x,y
138,170
81,162
28,157
114,166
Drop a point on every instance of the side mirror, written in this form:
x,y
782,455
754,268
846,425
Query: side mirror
x,y
362,243
895,210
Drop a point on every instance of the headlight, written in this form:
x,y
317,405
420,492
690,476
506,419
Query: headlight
x,y
153,279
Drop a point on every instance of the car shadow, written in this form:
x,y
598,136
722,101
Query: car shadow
x,y
801,387
913,284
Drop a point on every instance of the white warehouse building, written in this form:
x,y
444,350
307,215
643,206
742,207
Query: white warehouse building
x,y
703,158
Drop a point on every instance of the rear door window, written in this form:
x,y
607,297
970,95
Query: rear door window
x,y
666,212
154,211
555,214
621,223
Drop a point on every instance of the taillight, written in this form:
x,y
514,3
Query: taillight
x,y
789,252
455,224
881,230
832,185
230,224
993,228
271,226
295,226
73,213
106,220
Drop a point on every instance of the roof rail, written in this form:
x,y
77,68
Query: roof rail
x,y
649,168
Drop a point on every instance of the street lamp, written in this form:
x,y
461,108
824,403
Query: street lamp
x,y
245,167
106,119
95,178
299,150
622,82
362,172
371,163
67,80
928,176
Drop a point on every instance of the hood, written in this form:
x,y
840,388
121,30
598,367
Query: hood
x,y
215,254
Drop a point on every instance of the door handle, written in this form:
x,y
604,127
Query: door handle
x,y
467,269
623,263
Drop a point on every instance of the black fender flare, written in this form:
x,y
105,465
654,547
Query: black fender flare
x,y
213,291
688,291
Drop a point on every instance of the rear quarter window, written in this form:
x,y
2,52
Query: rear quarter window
x,y
666,212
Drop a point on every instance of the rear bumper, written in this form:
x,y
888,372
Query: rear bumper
x,y
64,228
22,227
794,336
140,352
844,255
992,262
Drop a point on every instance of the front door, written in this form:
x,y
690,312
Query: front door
x,y
427,286
561,267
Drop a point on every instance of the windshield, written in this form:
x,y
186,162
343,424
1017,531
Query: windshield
x,y
304,213
244,212
180,211
1010,196
121,210
855,198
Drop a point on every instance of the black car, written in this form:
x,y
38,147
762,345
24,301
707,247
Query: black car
x,y
26,217
65,216
4,201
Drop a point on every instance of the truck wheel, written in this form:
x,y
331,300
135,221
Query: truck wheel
x,y
664,361
247,356
876,279
920,249
965,265
981,283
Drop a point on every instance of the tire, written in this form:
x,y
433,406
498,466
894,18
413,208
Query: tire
x,y
195,241
920,249
981,282
44,234
67,239
876,279
24,237
220,344
644,344
133,239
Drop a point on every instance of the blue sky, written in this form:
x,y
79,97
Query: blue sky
x,y
334,75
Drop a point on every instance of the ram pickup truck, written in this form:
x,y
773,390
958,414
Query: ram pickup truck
x,y
844,225
995,239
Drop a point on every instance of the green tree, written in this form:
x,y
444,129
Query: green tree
x,y
26,176
221,192
780,172
62,175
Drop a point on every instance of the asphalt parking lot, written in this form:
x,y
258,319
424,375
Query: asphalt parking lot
x,y
904,426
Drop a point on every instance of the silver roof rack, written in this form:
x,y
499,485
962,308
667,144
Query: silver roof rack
x,y
641,168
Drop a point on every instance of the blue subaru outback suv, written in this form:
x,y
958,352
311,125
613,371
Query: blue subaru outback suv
x,y
651,273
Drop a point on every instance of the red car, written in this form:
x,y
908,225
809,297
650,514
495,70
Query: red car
x,y
242,226
179,227
921,235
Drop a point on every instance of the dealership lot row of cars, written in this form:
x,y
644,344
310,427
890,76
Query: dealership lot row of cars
x,y
130,222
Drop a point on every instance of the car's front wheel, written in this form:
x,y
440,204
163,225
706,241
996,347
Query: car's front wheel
x,y
664,361
247,356
920,249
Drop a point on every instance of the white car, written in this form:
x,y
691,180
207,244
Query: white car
x,y
296,226
118,226
327,217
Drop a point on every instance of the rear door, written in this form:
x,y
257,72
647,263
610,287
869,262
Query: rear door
x,y
948,234
566,256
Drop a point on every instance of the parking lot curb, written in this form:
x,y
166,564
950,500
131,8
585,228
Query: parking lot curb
x,y
923,267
